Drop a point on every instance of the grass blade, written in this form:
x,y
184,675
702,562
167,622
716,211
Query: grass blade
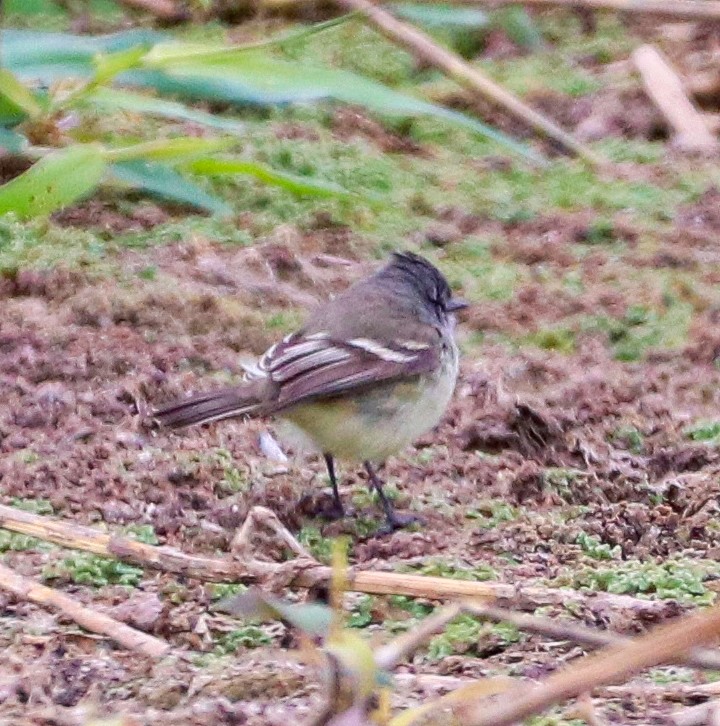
x,y
519,26
291,182
168,149
234,75
167,53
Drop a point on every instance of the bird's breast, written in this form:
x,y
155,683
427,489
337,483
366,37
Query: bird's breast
x,y
374,424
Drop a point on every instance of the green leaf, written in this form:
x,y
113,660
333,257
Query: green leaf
x,y
312,618
162,181
47,57
138,103
519,26
12,141
55,181
443,16
292,182
238,75
254,77
15,97
463,29
166,149
171,51
107,66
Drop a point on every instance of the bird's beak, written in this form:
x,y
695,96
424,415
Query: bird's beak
x,y
455,304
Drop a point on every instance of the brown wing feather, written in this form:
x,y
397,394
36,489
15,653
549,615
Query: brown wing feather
x,y
302,368
340,367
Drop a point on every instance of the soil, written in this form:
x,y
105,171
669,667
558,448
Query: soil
x,y
79,366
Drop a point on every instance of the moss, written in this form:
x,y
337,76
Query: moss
x,y
673,579
144,533
593,547
87,569
467,634
14,542
221,590
490,513
628,437
36,506
437,567
361,614
644,328
563,480
43,245
312,539
708,431
561,339
250,636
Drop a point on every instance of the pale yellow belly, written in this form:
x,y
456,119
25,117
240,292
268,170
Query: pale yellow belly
x,y
375,424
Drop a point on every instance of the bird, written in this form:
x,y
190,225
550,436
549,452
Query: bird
x,y
369,372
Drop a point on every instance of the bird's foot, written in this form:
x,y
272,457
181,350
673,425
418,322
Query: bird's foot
x,y
399,521
335,512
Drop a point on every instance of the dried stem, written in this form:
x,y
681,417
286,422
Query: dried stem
x,y
666,90
421,45
561,629
388,656
700,715
263,517
87,539
305,573
217,569
664,644
27,589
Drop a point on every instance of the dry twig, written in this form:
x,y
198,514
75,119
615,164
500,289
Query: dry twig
x,y
563,630
242,543
95,622
421,45
700,715
666,90
305,573
302,573
388,656
664,644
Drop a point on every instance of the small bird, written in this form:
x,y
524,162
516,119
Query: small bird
x,y
370,371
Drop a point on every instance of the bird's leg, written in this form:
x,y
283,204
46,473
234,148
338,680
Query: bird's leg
x,y
394,520
338,510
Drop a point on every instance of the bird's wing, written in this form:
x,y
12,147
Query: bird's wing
x,y
313,365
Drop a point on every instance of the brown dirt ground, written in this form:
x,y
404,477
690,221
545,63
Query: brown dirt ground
x,y
79,363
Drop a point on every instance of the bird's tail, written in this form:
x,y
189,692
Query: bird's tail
x,y
243,400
